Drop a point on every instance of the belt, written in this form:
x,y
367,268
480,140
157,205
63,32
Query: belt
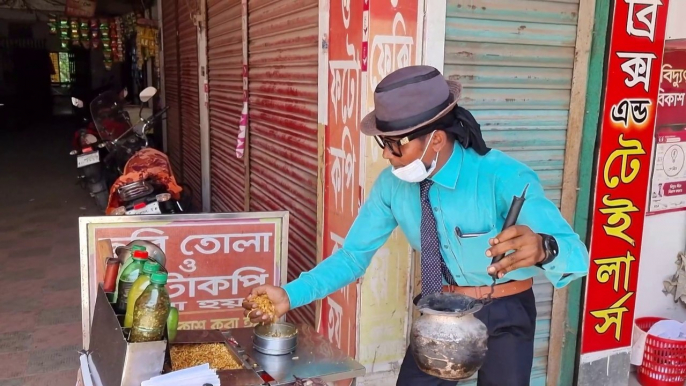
x,y
501,290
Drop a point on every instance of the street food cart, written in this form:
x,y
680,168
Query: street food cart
x,y
213,261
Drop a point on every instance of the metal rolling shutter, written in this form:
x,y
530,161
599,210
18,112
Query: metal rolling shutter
x,y
171,84
225,63
190,108
515,59
283,37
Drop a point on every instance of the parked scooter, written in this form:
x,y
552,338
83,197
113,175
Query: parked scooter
x,y
89,150
146,184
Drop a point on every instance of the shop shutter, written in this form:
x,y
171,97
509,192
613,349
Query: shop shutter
x,y
171,84
190,109
282,84
514,59
225,63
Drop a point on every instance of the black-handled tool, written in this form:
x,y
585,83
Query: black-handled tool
x,y
511,220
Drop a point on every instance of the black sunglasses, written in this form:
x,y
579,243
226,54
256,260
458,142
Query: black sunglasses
x,y
394,145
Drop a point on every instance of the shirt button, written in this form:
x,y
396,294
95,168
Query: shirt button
x,y
435,209
445,246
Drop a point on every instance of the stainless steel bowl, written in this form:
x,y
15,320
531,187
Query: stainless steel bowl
x,y
275,339
278,366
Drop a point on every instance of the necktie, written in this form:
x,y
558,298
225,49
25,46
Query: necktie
x,y
433,265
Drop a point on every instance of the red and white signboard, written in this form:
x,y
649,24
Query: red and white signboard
x,y
671,102
213,260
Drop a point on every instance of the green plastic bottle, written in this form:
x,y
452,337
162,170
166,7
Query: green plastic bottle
x,y
151,311
172,323
128,277
137,289
127,262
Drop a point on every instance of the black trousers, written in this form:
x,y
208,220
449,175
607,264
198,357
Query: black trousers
x,y
511,323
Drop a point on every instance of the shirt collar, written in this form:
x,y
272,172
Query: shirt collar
x,y
448,174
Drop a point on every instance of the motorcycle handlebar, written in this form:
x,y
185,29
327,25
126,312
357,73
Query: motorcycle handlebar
x,y
152,119
159,114
145,122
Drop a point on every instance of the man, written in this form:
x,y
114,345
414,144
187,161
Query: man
x,y
450,194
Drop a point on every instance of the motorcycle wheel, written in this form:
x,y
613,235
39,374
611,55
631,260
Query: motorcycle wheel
x,y
101,199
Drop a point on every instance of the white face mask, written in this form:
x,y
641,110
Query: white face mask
x,y
416,171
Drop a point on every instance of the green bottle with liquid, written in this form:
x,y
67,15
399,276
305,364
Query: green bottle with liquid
x,y
128,277
126,263
151,311
137,289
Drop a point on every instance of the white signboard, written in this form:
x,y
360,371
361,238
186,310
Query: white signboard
x,y
668,190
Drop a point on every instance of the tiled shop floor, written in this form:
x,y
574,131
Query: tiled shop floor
x,y
40,203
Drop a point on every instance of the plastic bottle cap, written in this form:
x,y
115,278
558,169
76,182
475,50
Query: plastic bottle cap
x,y
138,248
151,266
141,255
159,278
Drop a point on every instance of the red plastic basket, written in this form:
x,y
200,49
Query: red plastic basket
x,y
664,360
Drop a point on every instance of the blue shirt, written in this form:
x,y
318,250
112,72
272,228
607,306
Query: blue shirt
x,y
471,196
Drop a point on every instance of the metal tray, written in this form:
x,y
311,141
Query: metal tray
x,y
207,336
246,376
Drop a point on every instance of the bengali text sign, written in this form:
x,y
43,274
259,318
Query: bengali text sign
x,y
212,265
626,138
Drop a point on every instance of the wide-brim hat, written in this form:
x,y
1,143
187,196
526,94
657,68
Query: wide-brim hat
x,y
408,99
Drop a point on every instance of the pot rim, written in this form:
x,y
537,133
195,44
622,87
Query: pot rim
x,y
286,325
439,304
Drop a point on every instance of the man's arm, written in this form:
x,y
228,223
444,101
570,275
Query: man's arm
x,y
369,232
542,216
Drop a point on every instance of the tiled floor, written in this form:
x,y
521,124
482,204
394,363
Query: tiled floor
x,y
40,318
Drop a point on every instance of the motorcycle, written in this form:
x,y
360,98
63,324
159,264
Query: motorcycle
x,y
146,184
89,149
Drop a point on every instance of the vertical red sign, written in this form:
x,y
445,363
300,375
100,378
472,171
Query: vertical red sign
x,y
341,191
626,142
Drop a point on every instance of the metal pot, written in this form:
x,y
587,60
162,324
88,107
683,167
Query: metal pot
x,y
447,341
275,338
278,366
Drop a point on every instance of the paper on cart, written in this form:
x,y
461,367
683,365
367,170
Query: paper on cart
x,y
193,376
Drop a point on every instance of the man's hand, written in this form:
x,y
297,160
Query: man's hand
x,y
278,297
527,247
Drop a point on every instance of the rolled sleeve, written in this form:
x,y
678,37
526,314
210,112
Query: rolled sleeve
x,y
542,216
370,230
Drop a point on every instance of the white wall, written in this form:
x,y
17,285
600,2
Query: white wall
x,y
675,29
664,235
